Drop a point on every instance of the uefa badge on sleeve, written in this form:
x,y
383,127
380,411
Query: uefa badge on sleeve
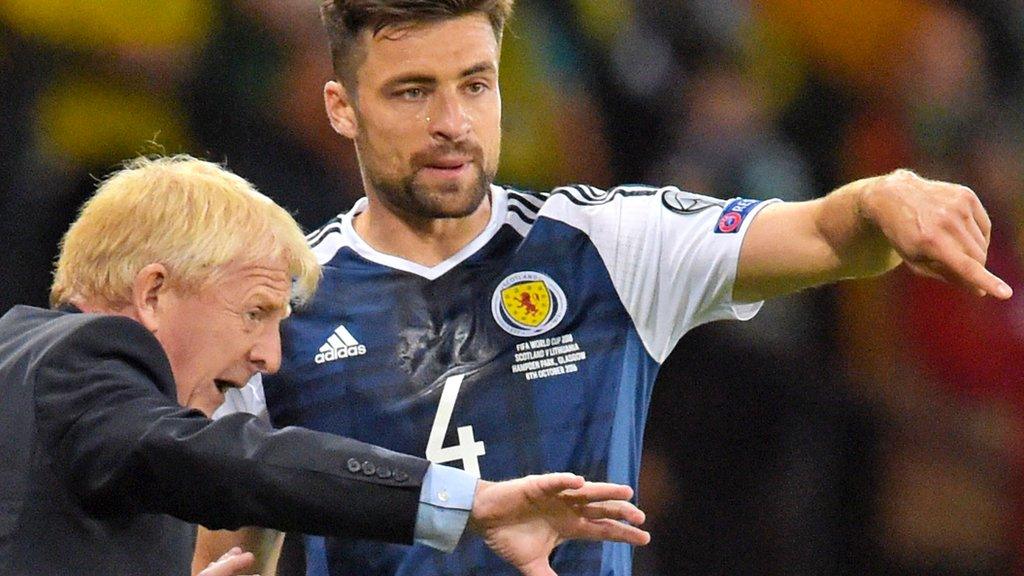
x,y
734,214
528,304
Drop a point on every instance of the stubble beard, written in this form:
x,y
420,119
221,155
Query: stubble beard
x,y
408,196
424,201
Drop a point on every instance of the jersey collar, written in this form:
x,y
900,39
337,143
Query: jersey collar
x,y
499,206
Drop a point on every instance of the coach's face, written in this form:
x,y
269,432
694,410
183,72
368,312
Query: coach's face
x,y
219,336
425,115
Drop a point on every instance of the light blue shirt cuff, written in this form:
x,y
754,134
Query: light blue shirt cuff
x,y
445,501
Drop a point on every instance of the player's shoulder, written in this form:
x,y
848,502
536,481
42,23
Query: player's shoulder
x,y
585,201
587,195
331,227
326,240
671,197
585,207
521,207
576,194
519,198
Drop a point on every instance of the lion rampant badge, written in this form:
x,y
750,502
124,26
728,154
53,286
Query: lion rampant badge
x,y
528,304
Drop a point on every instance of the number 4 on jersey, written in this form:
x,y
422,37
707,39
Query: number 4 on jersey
x,y
469,448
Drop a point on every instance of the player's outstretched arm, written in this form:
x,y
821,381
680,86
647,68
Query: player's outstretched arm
x,y
866,228
523,520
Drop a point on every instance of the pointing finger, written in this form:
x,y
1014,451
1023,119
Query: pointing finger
x,y
969,273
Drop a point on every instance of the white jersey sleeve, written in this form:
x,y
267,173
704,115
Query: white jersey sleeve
x,y
671,255
248,399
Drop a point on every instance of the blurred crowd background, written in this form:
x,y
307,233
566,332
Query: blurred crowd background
x,y
871,428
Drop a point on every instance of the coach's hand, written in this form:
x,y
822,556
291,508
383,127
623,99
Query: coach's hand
x,y
523,520
233,563
939,229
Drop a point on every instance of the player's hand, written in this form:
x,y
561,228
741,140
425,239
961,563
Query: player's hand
x,y
523,520
941,230
233,563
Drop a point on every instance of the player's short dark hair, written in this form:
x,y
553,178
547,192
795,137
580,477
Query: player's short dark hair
x,y
346,19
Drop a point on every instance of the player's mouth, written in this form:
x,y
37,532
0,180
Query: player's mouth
x,y
447,167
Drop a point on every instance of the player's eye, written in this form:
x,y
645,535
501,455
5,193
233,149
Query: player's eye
x,y
411,94
477,88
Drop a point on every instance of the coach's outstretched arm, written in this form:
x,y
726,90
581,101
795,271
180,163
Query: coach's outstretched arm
x,y
866,228
521,520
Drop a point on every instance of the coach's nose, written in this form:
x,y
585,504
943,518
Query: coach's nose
x,y
265,354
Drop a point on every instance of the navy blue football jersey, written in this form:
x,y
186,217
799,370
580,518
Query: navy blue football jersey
x,y
531,350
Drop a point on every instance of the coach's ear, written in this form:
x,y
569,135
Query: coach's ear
x,y
340,109
148,290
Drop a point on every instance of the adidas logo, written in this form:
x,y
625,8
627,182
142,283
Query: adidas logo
x,y
339,345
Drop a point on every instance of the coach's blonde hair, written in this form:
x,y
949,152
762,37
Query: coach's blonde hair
x,y
192,216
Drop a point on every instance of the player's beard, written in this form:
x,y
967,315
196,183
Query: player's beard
x,y
451,200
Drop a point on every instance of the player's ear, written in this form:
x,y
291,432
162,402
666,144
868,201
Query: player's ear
x,y
341,109
148,289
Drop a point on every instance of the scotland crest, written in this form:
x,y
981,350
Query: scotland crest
x,y
528,304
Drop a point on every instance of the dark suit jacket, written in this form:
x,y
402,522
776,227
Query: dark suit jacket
x,y
102,472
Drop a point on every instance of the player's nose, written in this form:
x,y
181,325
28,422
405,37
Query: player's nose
x,y
449,119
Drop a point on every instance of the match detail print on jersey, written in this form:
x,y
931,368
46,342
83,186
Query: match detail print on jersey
x,y
547,357
528,304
